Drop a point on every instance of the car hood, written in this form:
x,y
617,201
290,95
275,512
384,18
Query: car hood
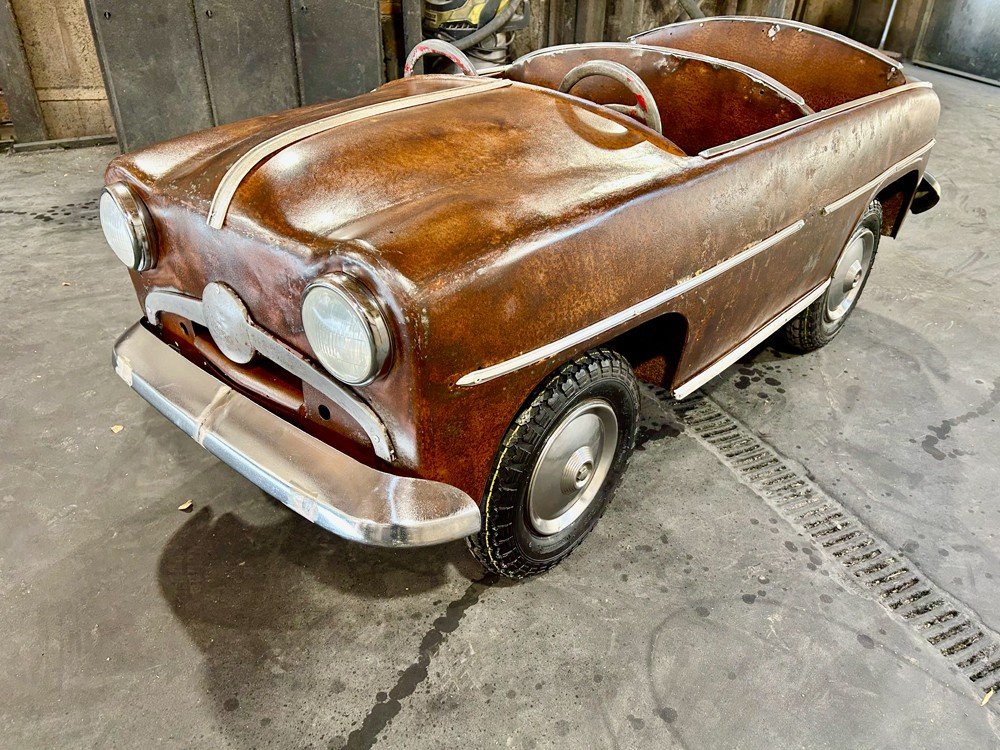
x,y
420,193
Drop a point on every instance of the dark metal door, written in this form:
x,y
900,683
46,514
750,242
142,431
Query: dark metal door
x,y
175,66
961,36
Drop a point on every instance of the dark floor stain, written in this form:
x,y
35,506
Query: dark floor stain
x,y
702,611
654,430
669,715
388,705
749,598
931,440
636,722
70,213
865,641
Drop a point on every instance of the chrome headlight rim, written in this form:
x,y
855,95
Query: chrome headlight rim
x,y
140,224
363,303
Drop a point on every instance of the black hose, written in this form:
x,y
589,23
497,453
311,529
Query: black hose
x,y
499,21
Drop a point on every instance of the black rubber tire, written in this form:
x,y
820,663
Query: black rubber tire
x,y
507,544
810,329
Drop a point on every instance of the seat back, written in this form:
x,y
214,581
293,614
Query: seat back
x,y
703,101
827,69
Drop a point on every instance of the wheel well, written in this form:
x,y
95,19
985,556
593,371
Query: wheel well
x,y
654,348
895,199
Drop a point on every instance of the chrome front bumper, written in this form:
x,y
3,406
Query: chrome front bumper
x,y
315,480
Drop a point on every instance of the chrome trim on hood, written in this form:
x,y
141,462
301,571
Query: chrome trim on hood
x,y
231,180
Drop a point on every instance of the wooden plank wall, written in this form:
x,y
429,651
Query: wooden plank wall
x,y
64,70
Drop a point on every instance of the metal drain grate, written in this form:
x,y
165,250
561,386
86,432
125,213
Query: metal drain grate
x,y
885,573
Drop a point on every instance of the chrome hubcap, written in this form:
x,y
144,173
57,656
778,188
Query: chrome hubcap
x,y
845,285
572,467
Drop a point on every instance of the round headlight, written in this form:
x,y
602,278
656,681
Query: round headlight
x,y
345,328
127,226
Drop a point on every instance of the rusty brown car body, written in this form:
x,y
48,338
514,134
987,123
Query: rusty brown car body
x,y
502,230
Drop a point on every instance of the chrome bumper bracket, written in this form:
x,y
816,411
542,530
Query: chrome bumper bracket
x,y
194,309
312,478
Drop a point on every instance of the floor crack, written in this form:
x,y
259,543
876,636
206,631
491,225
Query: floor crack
x,y
388,705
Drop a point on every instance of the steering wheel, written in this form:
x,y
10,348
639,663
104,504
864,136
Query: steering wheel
x,y
645,107
442,48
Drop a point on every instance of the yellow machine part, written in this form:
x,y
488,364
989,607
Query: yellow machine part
x,y
469,12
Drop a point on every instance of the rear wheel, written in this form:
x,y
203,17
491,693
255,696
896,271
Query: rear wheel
x,y
817,325
558,466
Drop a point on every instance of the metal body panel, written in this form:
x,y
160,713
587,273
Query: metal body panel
x,y
689,386
559,215
310,477
611,322
235,175
827,69
703,101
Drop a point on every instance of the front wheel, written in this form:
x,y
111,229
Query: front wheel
x,y
558,466
822,320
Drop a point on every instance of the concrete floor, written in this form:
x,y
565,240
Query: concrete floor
x,y
690,618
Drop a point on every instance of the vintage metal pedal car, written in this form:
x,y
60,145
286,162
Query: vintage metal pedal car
x,y
420,314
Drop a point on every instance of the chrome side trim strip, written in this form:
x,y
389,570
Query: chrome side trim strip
x,y
791,24
232,179
725,148
284,356
899,166
690,386
314,479
595,329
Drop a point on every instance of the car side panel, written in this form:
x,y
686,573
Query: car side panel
x,y
578,274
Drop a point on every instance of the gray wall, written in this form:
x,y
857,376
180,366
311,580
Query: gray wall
x,y
963,36
175,66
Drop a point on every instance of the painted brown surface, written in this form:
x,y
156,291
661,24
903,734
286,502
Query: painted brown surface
x,y
557,214
825,71
703,102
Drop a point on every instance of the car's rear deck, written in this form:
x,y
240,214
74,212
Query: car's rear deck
x,y
722,79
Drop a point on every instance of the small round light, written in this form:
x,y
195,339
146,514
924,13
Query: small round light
x,y
345,328
127,226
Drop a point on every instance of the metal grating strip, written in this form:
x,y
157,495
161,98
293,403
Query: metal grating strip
x,y
889,577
